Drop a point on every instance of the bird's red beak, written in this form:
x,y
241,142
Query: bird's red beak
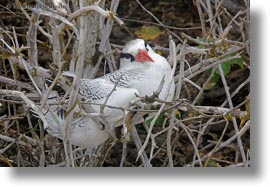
x,y
143,56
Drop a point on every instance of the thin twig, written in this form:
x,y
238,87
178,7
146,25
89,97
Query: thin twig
x,y
226,88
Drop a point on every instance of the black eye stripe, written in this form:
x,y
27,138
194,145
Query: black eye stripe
x,y
127,56
151,44
145,45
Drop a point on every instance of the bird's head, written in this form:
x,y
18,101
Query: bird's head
x,y
136,51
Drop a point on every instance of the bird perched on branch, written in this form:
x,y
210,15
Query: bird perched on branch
x,y
145,70
85,132
142,72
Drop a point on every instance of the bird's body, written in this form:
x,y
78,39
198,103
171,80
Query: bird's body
x,y
85,132
141,73
98,93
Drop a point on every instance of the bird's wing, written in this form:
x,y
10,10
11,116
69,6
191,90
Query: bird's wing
x,y
94,90
98,92
125,78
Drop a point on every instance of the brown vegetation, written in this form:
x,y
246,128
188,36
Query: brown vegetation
x,y
206,41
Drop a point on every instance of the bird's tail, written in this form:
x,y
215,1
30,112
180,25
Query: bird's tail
x,y
54,114
55,119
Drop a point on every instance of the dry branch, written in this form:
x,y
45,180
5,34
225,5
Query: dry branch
x,y
175,130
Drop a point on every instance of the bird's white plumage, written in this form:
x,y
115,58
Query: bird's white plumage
x,y
116,89
84,132
98,92
151,73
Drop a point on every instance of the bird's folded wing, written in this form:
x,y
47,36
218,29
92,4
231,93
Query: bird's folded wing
x,y
125,78
99,93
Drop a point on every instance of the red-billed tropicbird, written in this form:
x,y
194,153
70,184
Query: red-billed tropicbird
x,y
141,73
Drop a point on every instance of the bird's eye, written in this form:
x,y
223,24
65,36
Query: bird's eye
x,y
127,56
147,45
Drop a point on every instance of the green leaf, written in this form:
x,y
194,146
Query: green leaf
x,y
161,118
210,85
226,67
158,122
237,61
213,163
149,32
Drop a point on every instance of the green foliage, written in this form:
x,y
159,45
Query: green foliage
x,y
158,122
149,32
162,117
226,67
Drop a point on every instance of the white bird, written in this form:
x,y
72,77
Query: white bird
x,y
143,69
88,131
141,73
84,133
